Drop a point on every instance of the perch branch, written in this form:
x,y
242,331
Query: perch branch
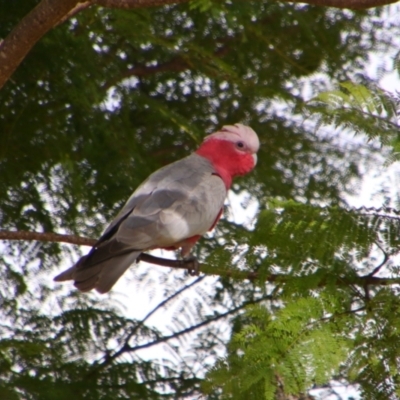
x,y
206,269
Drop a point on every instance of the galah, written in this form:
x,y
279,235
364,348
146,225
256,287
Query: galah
x,y
171,209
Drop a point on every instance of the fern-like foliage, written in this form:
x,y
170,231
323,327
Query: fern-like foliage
x,y
361,109
332,277
293,348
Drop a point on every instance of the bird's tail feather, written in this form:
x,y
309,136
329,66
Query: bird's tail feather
x,y
101,276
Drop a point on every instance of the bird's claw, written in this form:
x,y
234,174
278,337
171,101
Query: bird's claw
x,y
192,265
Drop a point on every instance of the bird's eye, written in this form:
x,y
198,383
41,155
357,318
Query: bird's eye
x,y
240,145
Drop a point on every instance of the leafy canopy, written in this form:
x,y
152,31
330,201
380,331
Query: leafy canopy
x,y
109,96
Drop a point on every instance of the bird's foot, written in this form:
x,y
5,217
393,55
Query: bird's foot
x,y
192,265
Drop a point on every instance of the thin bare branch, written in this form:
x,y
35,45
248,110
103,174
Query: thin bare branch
x,y
162,304
77,9
383,262
177,64
108,358
126,348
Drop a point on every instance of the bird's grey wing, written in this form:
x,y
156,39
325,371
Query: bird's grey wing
x,y
179,170
183,205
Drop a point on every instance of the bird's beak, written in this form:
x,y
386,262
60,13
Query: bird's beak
x,y
255,159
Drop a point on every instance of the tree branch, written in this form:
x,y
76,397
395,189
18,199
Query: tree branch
x,y
383,262
46,237
206,269
177,64
77,9
49,13
129,4
350,4
46,15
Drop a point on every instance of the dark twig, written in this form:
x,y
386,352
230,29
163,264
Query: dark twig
x,y
126,348
108,358
384,261
177,64
162,304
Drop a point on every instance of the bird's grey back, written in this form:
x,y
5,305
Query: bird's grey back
x,y
187,191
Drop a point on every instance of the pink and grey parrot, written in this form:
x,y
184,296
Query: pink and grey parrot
x,y
171,209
